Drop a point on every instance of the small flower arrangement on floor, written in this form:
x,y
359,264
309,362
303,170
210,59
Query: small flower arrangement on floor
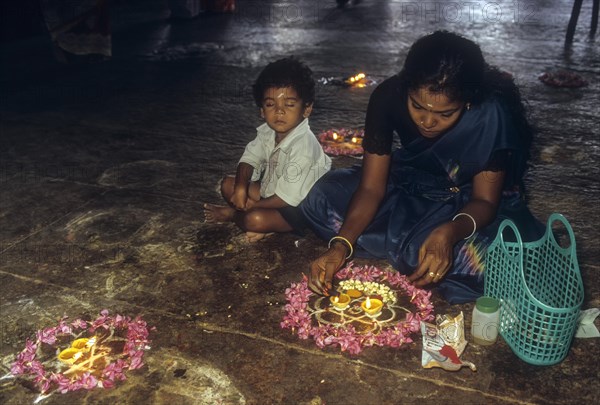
x,y
358,80
83,354
342,141
562,78
352,328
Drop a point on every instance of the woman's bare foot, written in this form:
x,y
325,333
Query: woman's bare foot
x,y
218,213
256,236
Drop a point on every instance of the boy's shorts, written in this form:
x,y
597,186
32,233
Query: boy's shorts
x,y
295,218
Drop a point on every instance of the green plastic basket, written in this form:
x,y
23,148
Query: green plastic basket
x,y
540,291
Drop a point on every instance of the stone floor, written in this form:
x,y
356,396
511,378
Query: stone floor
x,y
104,169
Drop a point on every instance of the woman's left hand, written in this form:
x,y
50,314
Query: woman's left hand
x,y
435,257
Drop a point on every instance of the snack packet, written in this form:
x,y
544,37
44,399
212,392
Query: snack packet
x,y
444,343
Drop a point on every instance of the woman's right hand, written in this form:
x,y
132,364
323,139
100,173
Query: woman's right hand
x,y
323,269
361,211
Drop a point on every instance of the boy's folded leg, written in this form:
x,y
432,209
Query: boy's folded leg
x,y
218,213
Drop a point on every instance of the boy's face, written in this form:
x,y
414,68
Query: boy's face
x,y
283,109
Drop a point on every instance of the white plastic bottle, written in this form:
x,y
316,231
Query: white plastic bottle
x,y
485,322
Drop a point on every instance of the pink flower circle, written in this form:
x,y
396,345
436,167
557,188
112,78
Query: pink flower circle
x,y
345,148
298,319
50,375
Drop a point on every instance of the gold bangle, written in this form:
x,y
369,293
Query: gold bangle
x,y
346,241
472,219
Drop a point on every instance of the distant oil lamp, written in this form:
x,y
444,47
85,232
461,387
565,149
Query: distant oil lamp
x,y
355,79
340,302
337,138
372,307
356,140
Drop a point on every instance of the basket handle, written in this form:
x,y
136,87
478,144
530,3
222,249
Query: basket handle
x,y
556,217
508,223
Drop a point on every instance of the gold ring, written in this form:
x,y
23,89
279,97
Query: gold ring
x,y
432,274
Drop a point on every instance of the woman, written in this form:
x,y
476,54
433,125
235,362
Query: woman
x,y
432,206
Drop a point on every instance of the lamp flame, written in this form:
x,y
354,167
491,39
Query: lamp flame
x,y
356,79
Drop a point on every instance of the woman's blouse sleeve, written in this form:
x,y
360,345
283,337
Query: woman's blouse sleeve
x,y
379,125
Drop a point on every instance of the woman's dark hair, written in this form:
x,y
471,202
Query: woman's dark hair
x,y
448,63
283,73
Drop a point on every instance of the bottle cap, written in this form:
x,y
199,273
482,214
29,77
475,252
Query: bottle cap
x,y
487,304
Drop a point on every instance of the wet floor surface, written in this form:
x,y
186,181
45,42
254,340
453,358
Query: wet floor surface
x,y
105,168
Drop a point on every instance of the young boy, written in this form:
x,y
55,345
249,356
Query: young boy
x,y
282,163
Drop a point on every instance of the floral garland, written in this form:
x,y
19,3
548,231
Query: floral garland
x,y
298,317
359,80
562,78
49,374
342,141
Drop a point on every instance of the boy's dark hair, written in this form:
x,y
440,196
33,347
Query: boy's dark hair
x,y
287,72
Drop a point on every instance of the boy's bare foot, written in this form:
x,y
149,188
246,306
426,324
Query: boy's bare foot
x,y
256,236
218,213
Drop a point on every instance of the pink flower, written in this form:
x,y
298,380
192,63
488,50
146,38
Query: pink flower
x,y
63,327
106,384
64,384
115,371
303,332
30,347
121,321
28,354
136,360
47,335
79,324
88,381
103,321
44,384
36,368
137,331
17,368
413,322
41,380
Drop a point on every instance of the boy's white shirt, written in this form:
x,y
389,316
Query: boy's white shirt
x,y
289,169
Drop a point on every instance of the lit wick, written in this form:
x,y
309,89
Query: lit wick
x,y
340,302
356,79
372,307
